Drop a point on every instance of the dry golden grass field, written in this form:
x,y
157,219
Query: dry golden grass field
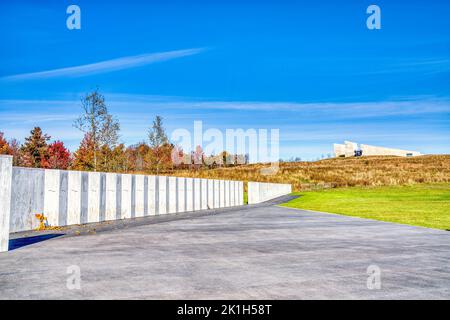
x,y
340,172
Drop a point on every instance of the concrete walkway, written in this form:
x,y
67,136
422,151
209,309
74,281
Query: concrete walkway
x,y
263,252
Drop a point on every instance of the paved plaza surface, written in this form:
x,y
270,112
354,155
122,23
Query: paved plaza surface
x,y
253,252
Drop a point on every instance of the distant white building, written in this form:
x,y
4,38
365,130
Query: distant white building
x,y
351,149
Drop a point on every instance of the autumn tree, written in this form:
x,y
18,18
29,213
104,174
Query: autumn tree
x,y
109,137
117,159
159,156
157,135
35,149
4,145
83,158
141,151
58,156
159,159
102,128
16,152
104,158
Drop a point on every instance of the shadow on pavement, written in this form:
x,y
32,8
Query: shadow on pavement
x,y
22,242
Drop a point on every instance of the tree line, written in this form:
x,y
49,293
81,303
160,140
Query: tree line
x,y
100,149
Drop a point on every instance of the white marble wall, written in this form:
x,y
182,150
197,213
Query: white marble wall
x,y
236,193
232,195
162,195
126,196
260,192
172,195
151,195
74,197
141,195
181,194
5,200
189,194
216,194
51,196
240,193
94,196
112,203
222,193
227,193
197,194
204,194
27,200
210,194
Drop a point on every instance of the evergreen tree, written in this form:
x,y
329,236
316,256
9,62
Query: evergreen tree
x,y
35,149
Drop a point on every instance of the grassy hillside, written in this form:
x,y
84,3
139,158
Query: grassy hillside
x,y
426,205
341,172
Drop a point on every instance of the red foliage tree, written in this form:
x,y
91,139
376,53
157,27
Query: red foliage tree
x,y
58,156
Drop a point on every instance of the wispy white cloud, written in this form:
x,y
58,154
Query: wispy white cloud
x,y
106,66
134,106
403,106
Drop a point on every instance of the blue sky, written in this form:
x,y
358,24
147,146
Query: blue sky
x,y
309,68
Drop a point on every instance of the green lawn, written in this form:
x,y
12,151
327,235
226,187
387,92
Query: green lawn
x,y
426,205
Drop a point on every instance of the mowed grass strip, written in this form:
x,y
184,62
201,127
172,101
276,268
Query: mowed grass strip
x,y
426,205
